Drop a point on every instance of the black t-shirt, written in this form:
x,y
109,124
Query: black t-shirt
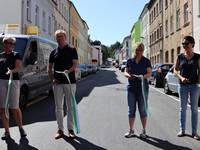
x,y
137,69
8,61
189,68
63,60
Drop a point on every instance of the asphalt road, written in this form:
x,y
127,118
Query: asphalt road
x,y
103,118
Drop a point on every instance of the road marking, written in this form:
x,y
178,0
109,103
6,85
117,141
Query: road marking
x,y
176,99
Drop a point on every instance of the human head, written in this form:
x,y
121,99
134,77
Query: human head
x,y
9,43
188,42
61,37
139,49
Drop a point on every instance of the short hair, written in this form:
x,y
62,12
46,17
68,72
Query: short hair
x,y
140,45
189,39
59,31
8,37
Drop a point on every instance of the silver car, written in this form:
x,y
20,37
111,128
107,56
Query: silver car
x,y
171,82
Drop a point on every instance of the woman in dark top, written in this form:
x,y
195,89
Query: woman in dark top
x,y
137,69
10,62
187,69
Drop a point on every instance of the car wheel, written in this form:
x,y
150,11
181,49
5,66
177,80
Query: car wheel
x,y
166,88
23,99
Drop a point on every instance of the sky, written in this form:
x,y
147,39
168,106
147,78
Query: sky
x,y
109,20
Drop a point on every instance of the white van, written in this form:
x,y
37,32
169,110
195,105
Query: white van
x,y
34,79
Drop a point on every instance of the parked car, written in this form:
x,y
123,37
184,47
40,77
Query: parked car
x,y
123,65
83,69
158,73
171,83
34,79
89,67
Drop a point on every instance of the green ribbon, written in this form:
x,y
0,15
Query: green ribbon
x,y
8,94
76,124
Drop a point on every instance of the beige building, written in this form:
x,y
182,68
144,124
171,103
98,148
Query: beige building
x,y
156,30
177,22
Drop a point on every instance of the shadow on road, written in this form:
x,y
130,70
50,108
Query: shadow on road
x,y
45,110
82,144
102,78
23,145
163,144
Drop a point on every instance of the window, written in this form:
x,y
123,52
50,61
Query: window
x,y
37,23
186,12
171,24
72,40
166,56
150,18
178,19
154,12
157,9
49,25
126,43
172,56
44,21
155,35
160,5
161,31
178,50
158,32
28,9
166,27
166,4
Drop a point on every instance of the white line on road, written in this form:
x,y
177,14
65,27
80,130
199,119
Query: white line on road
x,y
176,99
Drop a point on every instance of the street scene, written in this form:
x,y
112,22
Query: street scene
x,y
103,120
99,75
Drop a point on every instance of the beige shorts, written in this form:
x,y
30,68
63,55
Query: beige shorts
x,y
13,102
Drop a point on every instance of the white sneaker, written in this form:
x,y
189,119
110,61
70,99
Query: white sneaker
x,y
143,134
129,134
196,136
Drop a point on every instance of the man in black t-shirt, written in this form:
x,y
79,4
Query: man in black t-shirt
x,y
64,58
10,62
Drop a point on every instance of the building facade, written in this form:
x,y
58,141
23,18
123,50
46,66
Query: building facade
x,y
156,30
196,24
135,35
144,35
126,49
177,24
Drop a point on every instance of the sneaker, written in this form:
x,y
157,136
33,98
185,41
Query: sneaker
x,y
71,133
22,132
59,134
181,133
5,136
143,134
196,136
129,134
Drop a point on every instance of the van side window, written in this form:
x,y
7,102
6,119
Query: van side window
x,y
32,54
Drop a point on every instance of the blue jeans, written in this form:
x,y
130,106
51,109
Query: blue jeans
x,y
134,96
186,92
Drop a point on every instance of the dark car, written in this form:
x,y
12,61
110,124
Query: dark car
x,y
158,74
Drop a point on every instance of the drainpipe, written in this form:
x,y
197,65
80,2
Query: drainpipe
x,y
69,38
22,17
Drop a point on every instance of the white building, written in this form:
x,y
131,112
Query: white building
x,y
196,24
126,49
34,16
144,17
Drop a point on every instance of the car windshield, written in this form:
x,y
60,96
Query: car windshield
x,y
167,67
124,63
19,47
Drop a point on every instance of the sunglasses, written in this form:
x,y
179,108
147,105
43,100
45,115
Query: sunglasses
x,y
185,43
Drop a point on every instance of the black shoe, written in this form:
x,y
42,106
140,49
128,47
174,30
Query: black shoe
x,y
6,136
59,134
71,133
22,132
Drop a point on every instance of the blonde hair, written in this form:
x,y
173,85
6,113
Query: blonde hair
x,y
59,31
9,38
140,45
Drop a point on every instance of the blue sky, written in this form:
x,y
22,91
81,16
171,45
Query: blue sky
x,y
109,20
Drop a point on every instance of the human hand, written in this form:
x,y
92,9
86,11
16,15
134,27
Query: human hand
x,y
185,80
9,71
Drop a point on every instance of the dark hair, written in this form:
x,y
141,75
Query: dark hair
x,y
189,39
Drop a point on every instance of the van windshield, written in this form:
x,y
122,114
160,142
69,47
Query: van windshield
x,y
19,47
